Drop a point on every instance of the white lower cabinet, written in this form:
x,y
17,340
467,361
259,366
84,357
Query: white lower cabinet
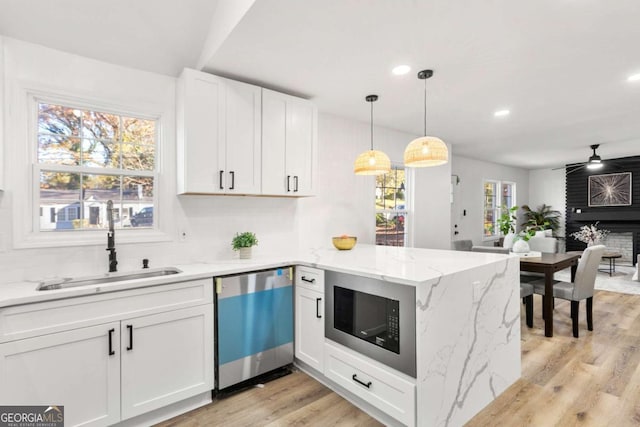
x,y
165,358
309,316
377,385
140,356
79,369
309,342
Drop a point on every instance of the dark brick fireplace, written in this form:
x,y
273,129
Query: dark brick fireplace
x,y
616,219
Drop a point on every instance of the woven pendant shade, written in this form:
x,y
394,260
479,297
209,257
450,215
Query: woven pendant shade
x,y
426,151
372,162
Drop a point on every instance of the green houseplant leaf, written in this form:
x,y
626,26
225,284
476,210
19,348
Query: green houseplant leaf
x,y
244,240
507,221
542,218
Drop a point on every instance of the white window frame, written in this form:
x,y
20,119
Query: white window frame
x,y
497,207
27,234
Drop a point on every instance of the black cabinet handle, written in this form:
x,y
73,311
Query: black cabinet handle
x,y
111,352
304,279
295,183
288,181
221,186
355,378
318,315
233,180
130,328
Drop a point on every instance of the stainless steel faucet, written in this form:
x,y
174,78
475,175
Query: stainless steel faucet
x,y
111,239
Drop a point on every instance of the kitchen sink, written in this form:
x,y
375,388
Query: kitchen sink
x,y
64,283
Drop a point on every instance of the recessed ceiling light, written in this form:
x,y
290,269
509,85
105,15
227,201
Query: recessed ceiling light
x,y
502,113
401,70
634,78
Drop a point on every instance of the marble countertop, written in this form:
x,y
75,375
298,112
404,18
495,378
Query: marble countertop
x,y
408,266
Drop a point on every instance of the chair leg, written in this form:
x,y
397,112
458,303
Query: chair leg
x,y
590,313
529,310
524,300
574,317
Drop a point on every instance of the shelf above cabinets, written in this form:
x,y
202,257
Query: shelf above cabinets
x,y
236,138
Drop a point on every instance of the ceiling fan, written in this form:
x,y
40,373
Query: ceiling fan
x,y
594,162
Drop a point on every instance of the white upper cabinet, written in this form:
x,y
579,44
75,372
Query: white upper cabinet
x,y
289,145
218,143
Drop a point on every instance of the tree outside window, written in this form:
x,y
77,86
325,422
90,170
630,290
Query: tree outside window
x,y
391,208
87,157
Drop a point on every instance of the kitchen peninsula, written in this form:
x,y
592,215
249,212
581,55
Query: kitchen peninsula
x,y
467,329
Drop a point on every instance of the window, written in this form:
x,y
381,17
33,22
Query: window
x,y
87,157
496,195
391,208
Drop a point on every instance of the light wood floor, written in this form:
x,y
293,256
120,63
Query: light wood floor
x,y
593,380
293,400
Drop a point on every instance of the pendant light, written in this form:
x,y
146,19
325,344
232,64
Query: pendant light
x,y
426,150
372,162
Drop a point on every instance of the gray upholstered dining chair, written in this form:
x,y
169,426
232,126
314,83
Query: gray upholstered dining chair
x,y
581,288
526,290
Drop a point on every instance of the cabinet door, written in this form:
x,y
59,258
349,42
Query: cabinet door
x,y
289,145
166,358
243,140
201,133
274,131
301,154
78,369
309,343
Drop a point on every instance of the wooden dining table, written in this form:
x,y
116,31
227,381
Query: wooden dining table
x,y
549,264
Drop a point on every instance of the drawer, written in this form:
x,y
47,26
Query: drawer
x,y
379,387
310,278
29,320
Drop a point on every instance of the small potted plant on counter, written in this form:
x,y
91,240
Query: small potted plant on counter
x,y
243,242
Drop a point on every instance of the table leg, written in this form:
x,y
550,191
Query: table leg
x,y
610,263
548,303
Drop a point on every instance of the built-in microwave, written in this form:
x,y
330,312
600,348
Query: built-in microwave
x,y
373,317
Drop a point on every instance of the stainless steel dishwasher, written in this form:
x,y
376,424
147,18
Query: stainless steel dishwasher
x,y
254,324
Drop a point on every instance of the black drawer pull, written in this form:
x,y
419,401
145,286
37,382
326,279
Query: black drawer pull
x,y
221,186
355,378
111,352
304,279
318,315
288,183
295,183
233,180
130,328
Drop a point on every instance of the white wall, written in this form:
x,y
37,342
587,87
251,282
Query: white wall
x,y
345,202
548,186
469,193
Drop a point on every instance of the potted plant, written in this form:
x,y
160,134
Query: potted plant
x,y
521,241
544,218
243,242
506,224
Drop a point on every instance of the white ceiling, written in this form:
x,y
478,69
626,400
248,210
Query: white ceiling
x,y
560,66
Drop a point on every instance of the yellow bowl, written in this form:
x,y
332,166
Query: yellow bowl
x,y
344,243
